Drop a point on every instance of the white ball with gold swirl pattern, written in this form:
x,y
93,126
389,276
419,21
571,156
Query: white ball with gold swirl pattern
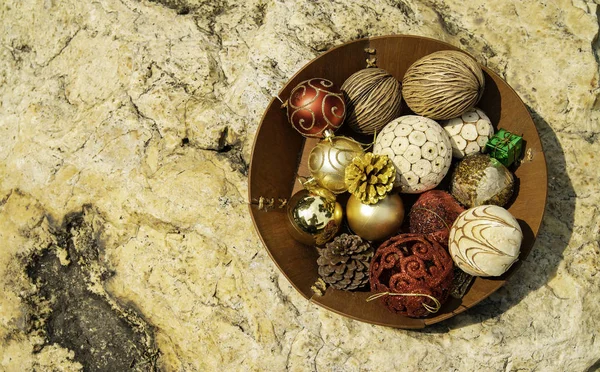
x,y
485,240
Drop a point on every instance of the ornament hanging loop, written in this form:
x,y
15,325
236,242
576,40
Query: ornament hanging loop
x,y
329,136
431,309
311,185
369,145
435,214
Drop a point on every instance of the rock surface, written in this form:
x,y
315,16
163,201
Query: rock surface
x,y
125,136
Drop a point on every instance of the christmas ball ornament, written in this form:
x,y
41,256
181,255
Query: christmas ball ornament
x,y
344,262
370,177
327,161
313,219
443,85
413,273
314,106
469,133
419,148
375,221
485,240
433,214
373,99
480,179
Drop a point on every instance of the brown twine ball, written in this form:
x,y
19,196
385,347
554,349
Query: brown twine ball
x,y
443,85
373,99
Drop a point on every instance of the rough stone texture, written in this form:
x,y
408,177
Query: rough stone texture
x,y
146,111
71,308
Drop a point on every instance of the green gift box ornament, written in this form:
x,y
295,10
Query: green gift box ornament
x,y
505,147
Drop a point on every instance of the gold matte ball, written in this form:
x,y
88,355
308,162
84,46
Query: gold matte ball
x,y
373,99
443,85
375,221
312,219
327,162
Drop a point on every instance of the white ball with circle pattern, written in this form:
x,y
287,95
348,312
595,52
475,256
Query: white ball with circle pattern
x,y
419,148
469,132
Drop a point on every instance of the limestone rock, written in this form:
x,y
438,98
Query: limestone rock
x,y
147,111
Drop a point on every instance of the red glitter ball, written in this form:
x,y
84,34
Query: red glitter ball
x,y
314,106
411,263
434,213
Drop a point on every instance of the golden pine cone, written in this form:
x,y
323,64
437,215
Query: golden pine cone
x,y
370,177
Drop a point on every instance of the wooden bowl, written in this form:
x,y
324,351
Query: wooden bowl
x,y
280,154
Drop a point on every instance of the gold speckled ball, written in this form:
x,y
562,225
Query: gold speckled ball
x,y
480,179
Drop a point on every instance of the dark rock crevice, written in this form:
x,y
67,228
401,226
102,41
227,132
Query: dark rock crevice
x,y
182,7
405,8
596,52
233,155
103,334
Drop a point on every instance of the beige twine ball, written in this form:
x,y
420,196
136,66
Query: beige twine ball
x,y
443,85
373,99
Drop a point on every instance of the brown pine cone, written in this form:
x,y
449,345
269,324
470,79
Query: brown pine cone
x,y
344,262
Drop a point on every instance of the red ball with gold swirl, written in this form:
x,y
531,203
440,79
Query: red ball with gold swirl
x,y
314,106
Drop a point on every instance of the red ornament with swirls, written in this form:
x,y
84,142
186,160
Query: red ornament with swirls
x,y
314,106
411,264
434,213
